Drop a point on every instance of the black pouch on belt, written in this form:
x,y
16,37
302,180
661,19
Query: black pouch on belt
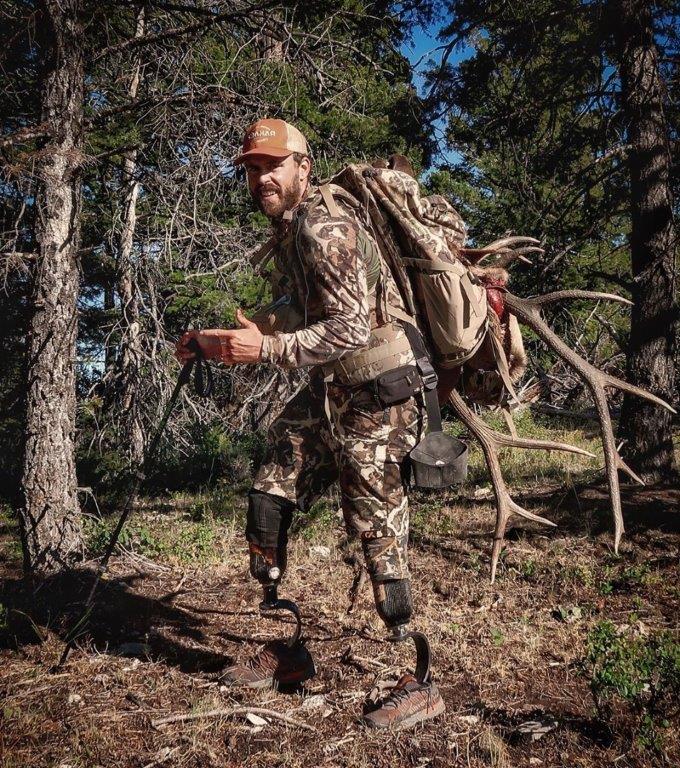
x,y
438,461
396,386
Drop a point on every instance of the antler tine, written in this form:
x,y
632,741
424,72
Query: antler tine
x,y
607,379
549,298
624,386
491,441
475,255
508,242
507,257
503,246
510,441
528,311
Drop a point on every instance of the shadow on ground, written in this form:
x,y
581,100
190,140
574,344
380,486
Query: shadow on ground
x,y
587,508
519,728
123,621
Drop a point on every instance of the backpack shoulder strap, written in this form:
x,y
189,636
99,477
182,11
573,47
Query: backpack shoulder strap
x,y
262,255
329,202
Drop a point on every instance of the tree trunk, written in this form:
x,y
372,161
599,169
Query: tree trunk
x,y
109,307
646,428
50,517
131,339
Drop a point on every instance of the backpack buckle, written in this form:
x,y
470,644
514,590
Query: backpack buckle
x,y
427,374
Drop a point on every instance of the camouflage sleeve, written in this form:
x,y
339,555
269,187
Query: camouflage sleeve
x,y
336,275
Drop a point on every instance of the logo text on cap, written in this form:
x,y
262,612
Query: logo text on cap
x,y
262,133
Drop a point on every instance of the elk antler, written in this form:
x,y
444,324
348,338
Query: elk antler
x,y
528,311
491,441
508,246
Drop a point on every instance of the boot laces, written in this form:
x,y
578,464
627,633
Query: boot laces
x,y
401,694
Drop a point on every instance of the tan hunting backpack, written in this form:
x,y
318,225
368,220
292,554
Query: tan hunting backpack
x,y
419,238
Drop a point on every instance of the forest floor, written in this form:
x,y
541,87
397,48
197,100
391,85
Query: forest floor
x,y
510,658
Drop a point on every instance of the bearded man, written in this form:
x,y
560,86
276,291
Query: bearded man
x,y
343,427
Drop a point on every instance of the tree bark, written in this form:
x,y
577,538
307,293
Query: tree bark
x,y
50,516
131,339
646,428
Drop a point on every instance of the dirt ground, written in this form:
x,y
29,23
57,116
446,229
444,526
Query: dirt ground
x,y
507,657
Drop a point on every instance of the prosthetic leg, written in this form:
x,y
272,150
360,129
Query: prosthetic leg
x,y
280,662
394,604
415,697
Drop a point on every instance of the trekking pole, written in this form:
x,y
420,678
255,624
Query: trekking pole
x,y
139,477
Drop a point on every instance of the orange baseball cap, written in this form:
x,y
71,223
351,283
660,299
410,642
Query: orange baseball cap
x,y
275,138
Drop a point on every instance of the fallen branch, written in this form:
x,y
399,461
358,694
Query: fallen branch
x,y
357,585
231,713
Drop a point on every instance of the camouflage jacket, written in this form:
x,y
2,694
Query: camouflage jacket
x,y
326,276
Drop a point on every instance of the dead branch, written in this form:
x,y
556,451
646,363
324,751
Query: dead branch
x,y
232,712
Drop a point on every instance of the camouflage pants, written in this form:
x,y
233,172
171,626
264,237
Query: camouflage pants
x,y
352,439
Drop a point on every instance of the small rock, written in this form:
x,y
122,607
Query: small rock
x,y
321,551
256,720
535,761
569,614
133,649
314,702
74,698
468,719
535,729
482,493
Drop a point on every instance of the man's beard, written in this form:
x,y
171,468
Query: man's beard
x,y
284,200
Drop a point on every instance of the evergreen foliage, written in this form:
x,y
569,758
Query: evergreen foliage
x,y
538,142
333,69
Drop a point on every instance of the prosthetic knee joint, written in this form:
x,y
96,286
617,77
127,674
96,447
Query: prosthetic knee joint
x,y
268,521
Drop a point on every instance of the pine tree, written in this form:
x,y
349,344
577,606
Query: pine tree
x,y
543,117
129,216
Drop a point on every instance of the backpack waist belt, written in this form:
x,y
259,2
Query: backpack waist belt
x,y
392,351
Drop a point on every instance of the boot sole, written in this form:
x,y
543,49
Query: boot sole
x,y
408,722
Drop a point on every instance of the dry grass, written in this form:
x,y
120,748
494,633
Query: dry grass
x,y
504,654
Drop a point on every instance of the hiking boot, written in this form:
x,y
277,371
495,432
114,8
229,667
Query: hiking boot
x,y
276,664
407,704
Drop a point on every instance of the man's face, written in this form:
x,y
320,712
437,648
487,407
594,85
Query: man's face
x,y
276,184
